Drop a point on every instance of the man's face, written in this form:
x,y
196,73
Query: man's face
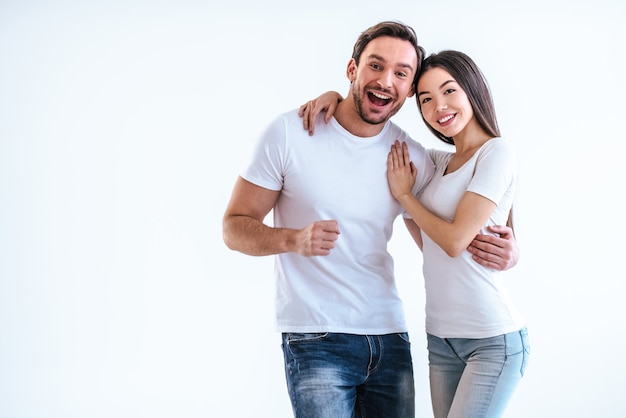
x,y
383,79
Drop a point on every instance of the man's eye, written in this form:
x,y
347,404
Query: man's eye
x,y
400,74
376,66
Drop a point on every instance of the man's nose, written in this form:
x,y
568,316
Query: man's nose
x,y
384,81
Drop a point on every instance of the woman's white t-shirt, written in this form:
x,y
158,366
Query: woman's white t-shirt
x,y
463,298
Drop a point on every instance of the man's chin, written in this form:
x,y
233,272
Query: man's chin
x,y
377,118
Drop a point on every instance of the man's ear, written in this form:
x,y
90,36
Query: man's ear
x,y
351,70
411,91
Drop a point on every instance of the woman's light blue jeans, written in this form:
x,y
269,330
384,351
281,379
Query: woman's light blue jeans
x,y
349,376
475,377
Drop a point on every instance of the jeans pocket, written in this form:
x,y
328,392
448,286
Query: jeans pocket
x,y
302,337
526,353
296,343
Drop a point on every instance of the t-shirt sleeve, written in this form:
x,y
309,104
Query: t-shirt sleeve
x,y
495,171
426,171
266,163
425,168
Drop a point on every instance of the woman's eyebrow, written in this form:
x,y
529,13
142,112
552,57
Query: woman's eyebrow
x,y
440,87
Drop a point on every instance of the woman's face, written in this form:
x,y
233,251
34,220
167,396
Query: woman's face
x,y
443,103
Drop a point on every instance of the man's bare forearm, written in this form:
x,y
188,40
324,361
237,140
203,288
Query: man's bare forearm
x,y
251,237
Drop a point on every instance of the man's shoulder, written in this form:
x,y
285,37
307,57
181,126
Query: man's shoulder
x,y
285,123
290,115
291,120
395,132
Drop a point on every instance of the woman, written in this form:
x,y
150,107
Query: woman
x,y
477,341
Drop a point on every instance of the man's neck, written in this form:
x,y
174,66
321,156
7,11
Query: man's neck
x,y
350,120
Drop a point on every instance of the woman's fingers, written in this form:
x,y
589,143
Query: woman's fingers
x,y
400,156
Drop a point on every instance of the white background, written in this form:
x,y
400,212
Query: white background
x,y
123,125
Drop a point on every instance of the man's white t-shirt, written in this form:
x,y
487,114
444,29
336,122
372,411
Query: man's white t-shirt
x,y
334,175
463,298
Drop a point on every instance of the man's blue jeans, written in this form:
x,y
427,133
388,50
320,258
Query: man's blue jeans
x,y
475,377
349,376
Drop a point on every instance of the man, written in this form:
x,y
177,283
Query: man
x,y
345,340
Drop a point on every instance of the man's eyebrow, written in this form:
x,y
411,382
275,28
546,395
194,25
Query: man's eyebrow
x,y
379,58
375,56
441,86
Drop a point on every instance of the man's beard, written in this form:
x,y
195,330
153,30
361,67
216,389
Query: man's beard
x,y
372,120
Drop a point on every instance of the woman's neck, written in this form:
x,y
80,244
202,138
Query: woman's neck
x,y
470,138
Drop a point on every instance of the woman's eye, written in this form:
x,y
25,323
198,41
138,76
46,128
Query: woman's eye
x,y
448,91
426,100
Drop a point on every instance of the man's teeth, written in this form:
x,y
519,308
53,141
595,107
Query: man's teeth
x,y
444,120
380,96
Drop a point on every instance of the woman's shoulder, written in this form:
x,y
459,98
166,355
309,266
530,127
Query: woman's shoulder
x,y
498,142
437,154
499,147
